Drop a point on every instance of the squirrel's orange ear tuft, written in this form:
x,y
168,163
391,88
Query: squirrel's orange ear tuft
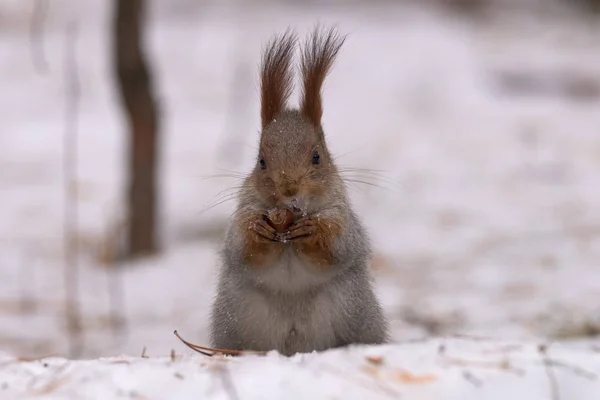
x,y
318,56
276,76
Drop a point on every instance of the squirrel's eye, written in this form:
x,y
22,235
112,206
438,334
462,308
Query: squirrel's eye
x,y
262,163
316,158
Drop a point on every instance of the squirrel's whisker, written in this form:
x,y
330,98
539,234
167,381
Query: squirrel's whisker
x,y
355,187
360,168
218,203
232,172
349,152
366,171
223,194
222,176
374,180
366,183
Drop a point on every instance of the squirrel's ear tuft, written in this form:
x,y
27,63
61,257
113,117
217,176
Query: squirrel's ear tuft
x,y
318,56
276,75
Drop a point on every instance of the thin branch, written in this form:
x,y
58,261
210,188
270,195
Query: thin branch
x,y
71,273
554,390
228,384
36,36
27,278
210,351
574,369
116,298
472,379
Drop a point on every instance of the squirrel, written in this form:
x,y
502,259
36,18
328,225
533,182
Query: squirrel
x,y
306,287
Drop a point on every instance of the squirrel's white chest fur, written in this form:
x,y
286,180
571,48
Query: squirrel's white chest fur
x,y
293,326
290,318
291,273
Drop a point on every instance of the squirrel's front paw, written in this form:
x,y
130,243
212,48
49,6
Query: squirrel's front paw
x,y
301,229
262,244
263,232
314,238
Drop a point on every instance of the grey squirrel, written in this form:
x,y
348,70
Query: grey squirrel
x,y
304,285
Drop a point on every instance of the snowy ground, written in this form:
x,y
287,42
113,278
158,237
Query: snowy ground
x,y
487,221
439,369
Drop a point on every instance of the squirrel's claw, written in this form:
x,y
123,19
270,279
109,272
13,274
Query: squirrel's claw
x,y
302,228
265,231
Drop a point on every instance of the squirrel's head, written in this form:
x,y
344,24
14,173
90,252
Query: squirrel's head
x,y
293,165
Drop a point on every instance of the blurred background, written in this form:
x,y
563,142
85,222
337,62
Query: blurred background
x,y
474,126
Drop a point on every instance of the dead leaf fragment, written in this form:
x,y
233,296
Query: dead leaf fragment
x,y
409,377
119,362
375,360
371,370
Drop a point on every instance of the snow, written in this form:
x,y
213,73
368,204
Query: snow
x,y
484,213
442,369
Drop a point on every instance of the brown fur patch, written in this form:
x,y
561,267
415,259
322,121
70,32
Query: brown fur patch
x,y
257,251
318,56
318,247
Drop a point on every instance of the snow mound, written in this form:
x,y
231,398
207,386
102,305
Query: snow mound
x,y
434,369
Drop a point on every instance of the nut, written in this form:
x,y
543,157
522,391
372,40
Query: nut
x,y
280,219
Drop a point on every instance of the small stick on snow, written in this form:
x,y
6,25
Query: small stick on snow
x,y
227,382
543,350
503,365
472,379
26,359
210,351
575,369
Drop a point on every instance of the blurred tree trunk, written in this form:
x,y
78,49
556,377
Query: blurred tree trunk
x,y
135,86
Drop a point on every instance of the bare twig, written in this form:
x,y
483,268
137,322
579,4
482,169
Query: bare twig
x,y
554,390
210,351
27,359
472,379
116,295
28,301
71,276
143,355
503,365
228,384
441,350
574,369
470,338
36,35
54,380
550,362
